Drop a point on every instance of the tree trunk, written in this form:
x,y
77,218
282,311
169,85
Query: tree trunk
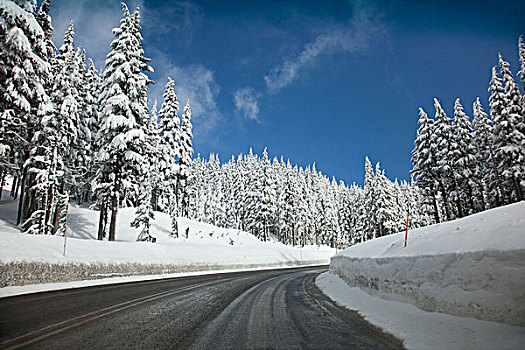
x,y
114,208
436,209
460,208
102,220
19,216
2,177
14,187
445,201
519,192
114,212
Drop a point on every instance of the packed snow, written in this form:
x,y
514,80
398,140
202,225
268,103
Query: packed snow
x,y
421,329
205,244
472,267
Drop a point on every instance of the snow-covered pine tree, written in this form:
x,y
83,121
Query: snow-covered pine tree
x,y
67,127
93,82
482,135
423,164
154,154
144,213
497,107
268,196
466,169
124,112
287,207
44,20
521,52
370,208
509,137
24,54
443,167
185,157
384,204
253,185
169,136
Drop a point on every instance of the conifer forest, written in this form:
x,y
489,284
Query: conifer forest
x,y
70,131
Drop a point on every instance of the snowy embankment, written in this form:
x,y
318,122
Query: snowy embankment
x,y
38,259
472,267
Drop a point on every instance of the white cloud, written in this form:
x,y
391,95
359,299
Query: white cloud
x,y
93,21
352,38
246,103
196,83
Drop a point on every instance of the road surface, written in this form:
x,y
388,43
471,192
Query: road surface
x,y
272,309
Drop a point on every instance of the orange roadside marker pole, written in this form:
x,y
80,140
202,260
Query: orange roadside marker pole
x,y
406,232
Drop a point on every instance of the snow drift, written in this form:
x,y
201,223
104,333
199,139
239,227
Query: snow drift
x,y
472,267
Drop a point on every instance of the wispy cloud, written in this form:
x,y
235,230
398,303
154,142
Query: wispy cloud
x,y
93,23
246,103
194,82
173,17
353,38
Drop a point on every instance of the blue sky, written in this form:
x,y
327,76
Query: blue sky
x,y
316,81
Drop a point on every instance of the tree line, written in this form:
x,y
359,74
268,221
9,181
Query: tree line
x,y
463,166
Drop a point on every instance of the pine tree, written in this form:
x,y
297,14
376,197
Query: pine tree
x,y
443,167
154,155
268,196
509,139
369,209
186,155
169,136
423,159
482,135
24,53
497,106
466,170
123,114
68,125
144,213
521,51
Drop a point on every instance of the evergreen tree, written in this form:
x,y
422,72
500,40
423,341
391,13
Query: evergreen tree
x,y
186,155
509,139
268,196
466,171
169,135
369,203
24,74
521,51
144,213
482,135
443,167
123,114
497,106
423,160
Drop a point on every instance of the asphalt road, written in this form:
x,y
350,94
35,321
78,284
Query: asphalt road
x,y
273,309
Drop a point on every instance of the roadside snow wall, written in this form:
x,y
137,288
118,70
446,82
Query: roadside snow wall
x,y
484,277
24,273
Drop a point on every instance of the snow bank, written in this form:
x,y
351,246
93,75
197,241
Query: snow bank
x,y
420,329
473,266
38,258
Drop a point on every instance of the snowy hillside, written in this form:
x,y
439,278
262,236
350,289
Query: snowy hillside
x,y
471,267
206,245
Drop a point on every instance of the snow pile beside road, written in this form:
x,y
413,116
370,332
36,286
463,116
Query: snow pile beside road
x,y
473,266
206,247
420,329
